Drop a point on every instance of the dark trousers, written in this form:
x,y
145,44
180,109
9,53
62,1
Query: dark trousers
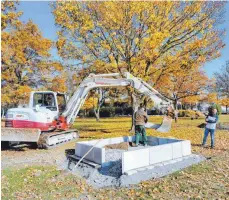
x,y
140,131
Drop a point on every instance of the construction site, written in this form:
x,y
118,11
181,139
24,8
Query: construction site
x,y
114,100
111,162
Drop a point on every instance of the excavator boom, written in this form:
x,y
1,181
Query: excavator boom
x,y
103,80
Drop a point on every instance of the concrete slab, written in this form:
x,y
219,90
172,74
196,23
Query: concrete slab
x,y
135,159
84,148
160,153
177,149
186,148
97,155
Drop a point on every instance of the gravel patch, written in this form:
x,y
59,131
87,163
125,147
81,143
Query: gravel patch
x,y
105,176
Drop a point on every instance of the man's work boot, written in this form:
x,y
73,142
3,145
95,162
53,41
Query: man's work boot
x,y
134,144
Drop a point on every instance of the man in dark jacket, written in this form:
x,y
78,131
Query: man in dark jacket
x,y
141,119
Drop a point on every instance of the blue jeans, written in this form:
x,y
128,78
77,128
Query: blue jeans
x,y
212,133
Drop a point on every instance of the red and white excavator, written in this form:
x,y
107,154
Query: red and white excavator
x,y
48,116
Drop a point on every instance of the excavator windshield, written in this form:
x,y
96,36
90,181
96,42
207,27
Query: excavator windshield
x,y
45,100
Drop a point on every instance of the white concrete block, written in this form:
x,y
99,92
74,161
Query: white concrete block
x,y
177,149
84,149
186,148
77,149
135,159
99,155
160,153
96,155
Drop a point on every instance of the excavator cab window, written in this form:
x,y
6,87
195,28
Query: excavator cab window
x,y
45,100
61,102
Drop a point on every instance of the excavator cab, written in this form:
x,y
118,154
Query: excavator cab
x,y
49,100
46,100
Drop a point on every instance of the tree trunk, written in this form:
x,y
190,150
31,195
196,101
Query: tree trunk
x,y
100,102
226,109
2,114
176,111
134,109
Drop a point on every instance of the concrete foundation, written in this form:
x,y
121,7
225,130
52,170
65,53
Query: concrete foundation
x,y
158,150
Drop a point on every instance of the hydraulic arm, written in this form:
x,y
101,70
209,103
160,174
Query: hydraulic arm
x,y
105,80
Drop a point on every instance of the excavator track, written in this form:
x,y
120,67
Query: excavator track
x,y
49,140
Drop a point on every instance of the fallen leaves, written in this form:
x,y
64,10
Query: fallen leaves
x,y
207,180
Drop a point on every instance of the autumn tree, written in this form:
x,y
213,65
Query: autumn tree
x,y
184,86
151,40
212,97
222,80
190,100
9,15
25,60
89,104
225,102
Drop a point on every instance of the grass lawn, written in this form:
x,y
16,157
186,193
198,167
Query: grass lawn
x,y
207,180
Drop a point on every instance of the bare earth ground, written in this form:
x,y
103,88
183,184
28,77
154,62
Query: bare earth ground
x,y
29,173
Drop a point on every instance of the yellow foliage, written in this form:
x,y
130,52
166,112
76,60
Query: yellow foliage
x,y
90,103
58,84
149,39
8,15
224,102
25,54
212,98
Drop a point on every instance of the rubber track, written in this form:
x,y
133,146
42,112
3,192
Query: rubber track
x,y
42,140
